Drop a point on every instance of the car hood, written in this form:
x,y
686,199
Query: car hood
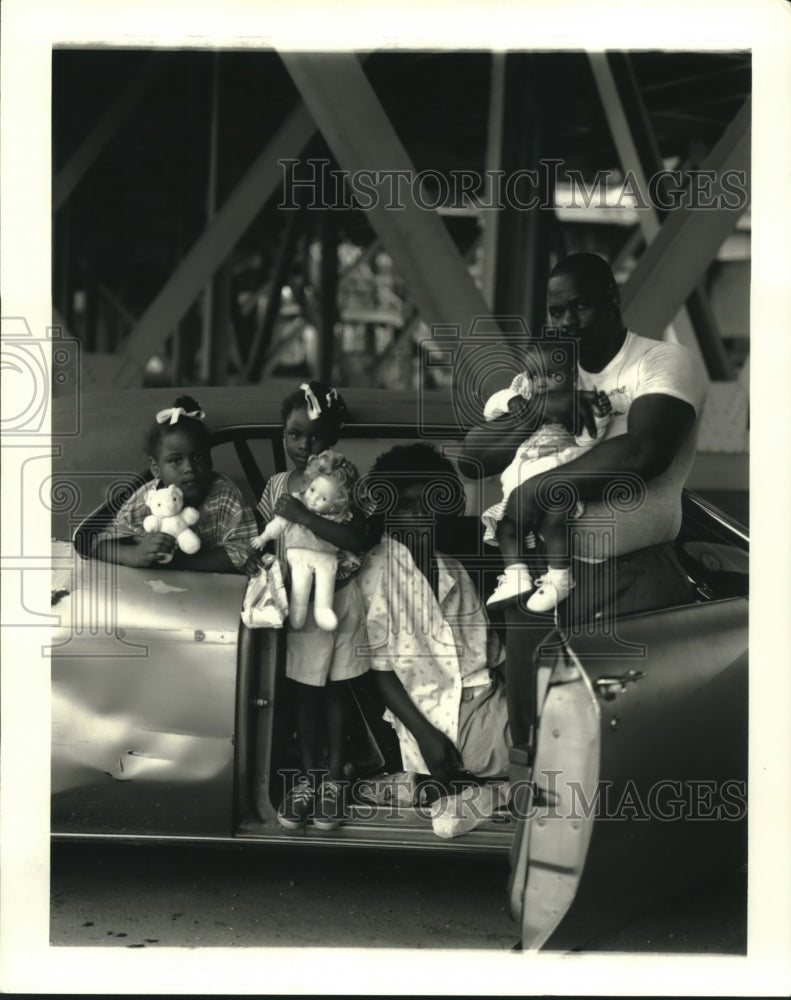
x,y
93,595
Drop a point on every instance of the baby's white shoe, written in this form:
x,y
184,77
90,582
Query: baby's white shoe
x,y
514,582
555,586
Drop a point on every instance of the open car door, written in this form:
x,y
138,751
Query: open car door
x,y
638,786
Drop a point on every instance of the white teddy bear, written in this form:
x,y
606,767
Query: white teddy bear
x,y
168,516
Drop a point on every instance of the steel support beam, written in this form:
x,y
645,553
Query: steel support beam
x,y
211,356
358,132
676,260
207,253
695,324
263,334
328,288
494,156
523,235
623,137
80,162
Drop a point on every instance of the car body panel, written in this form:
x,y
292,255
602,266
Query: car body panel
x,y
143,702
667,759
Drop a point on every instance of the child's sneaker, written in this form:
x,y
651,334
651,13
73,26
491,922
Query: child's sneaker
x,y
514,582
330,805
297,806
555,586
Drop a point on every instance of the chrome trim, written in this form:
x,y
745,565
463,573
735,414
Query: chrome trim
x,y
718,515
495,843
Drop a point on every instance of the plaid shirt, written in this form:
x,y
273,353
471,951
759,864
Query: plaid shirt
x,y
225,520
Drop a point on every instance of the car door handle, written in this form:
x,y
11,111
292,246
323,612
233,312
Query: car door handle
x,y
608,687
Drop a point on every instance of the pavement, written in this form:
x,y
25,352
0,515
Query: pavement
x,y
123,896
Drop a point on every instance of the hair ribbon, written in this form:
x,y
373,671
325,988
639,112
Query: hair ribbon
x,y
172,414
314,406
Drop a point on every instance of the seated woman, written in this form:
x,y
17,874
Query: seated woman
x,y
177,446
433,655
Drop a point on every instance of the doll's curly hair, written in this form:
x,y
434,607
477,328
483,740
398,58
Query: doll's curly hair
x,y
336,467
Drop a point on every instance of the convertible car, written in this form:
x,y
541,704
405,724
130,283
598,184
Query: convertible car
x,y
171,721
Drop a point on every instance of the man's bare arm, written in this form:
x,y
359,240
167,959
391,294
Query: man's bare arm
x,y
657,427
439,753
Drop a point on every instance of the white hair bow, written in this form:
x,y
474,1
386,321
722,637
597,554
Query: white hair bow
x,y
314,406
172,414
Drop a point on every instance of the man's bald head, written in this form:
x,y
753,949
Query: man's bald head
x,y
584,303
592,273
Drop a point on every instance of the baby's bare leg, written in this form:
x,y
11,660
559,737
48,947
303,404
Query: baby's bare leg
x,y
516,580
554,528
557,582
509,539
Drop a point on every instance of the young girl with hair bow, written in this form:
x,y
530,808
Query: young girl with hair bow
x,y
318,659
177,446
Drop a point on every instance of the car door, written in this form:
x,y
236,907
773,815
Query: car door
x,y
638,786
144,665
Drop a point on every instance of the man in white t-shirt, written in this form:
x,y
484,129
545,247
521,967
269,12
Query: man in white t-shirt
x,y
630,482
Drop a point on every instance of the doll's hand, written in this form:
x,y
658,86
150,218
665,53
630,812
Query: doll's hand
x,y
291,509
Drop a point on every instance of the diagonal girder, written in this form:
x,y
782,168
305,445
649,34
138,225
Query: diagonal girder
x,y
212,247
361,137
694,324
689,239
69,176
